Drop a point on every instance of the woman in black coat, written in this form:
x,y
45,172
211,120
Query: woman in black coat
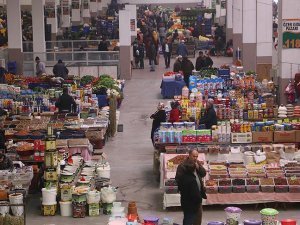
x,y
158,117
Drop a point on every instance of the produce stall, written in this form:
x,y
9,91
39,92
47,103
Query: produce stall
x,y
248,155
171,84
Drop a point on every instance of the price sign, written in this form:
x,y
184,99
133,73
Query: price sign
x,y
279,121
286,120
291,33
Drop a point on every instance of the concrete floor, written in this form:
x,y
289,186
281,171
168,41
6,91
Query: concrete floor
x,y
131,156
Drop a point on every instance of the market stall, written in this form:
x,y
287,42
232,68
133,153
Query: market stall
x,y
171,84
250,152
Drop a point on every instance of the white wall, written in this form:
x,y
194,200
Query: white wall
x,y
249,21
264,27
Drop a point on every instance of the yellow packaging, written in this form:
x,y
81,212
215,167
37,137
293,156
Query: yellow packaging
x,y
50,145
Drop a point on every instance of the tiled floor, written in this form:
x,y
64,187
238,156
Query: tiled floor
x,y
131,155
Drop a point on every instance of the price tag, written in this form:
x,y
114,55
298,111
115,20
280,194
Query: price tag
x,y
286,120
279,121
295,121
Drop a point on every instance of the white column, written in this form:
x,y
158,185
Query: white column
x,y
76,16
133,20
264,31
14,28
288,43
249,34
237,25
218,13
229,14
38,28
125,43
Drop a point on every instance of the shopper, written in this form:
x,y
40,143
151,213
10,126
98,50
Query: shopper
x,y
141,49
177,67
189,177
200,62
175,35
136,53
182,49
3,71
170,23
167,51
152,56
40,67
187,69
162,33
5,163
210,117
66,103
208,61
174,113
158,117
103,46
60,70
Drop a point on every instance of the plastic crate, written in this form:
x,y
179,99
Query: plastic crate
x,y
294,188
252,188
171,190
225,189
239,189
281,188
211,189
267,188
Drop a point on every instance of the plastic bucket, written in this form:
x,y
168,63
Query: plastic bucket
x,y
93,197
16,199
252,222
288,222
66,208
103,171
248,157
4,208
49,196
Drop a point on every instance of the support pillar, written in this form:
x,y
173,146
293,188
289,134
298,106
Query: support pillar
x,y
288,55
125,45
264,38
249,34
38,29
237,19
229,14
15,48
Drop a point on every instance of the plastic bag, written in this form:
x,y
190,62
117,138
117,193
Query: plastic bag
x,y
108,194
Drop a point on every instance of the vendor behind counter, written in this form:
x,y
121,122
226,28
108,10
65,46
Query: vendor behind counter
x,y
66,103
5,163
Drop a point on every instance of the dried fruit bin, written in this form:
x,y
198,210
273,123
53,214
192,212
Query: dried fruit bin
x,y
225,186
252,185
170,182
211,186
218,176
281,185
238,185
267,185
294,184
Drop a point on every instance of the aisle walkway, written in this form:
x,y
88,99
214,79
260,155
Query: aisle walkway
x,y
131,156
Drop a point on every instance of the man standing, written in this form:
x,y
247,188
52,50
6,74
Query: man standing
x,y
152,56
66,103
189,177
141,49
60,70
210,117
200,62
208,61
40,67
167,50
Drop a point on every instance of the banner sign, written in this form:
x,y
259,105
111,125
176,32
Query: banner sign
x,y
291,33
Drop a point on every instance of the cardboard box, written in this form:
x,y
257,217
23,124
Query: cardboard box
x,y
284,136
297,135
241,138
262,137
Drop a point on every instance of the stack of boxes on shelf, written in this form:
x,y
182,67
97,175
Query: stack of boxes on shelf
x,y
49,205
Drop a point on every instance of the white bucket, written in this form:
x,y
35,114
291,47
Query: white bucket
x,y
66,208
4,208
49,196
103,171
248,157
93,197
16,199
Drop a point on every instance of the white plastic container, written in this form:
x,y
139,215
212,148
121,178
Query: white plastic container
x,y
16,199
93,197
103,171
49,196
248,157
66,208
4,208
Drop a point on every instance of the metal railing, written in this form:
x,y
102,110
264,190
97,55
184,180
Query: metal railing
x,y
71,59
66,45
